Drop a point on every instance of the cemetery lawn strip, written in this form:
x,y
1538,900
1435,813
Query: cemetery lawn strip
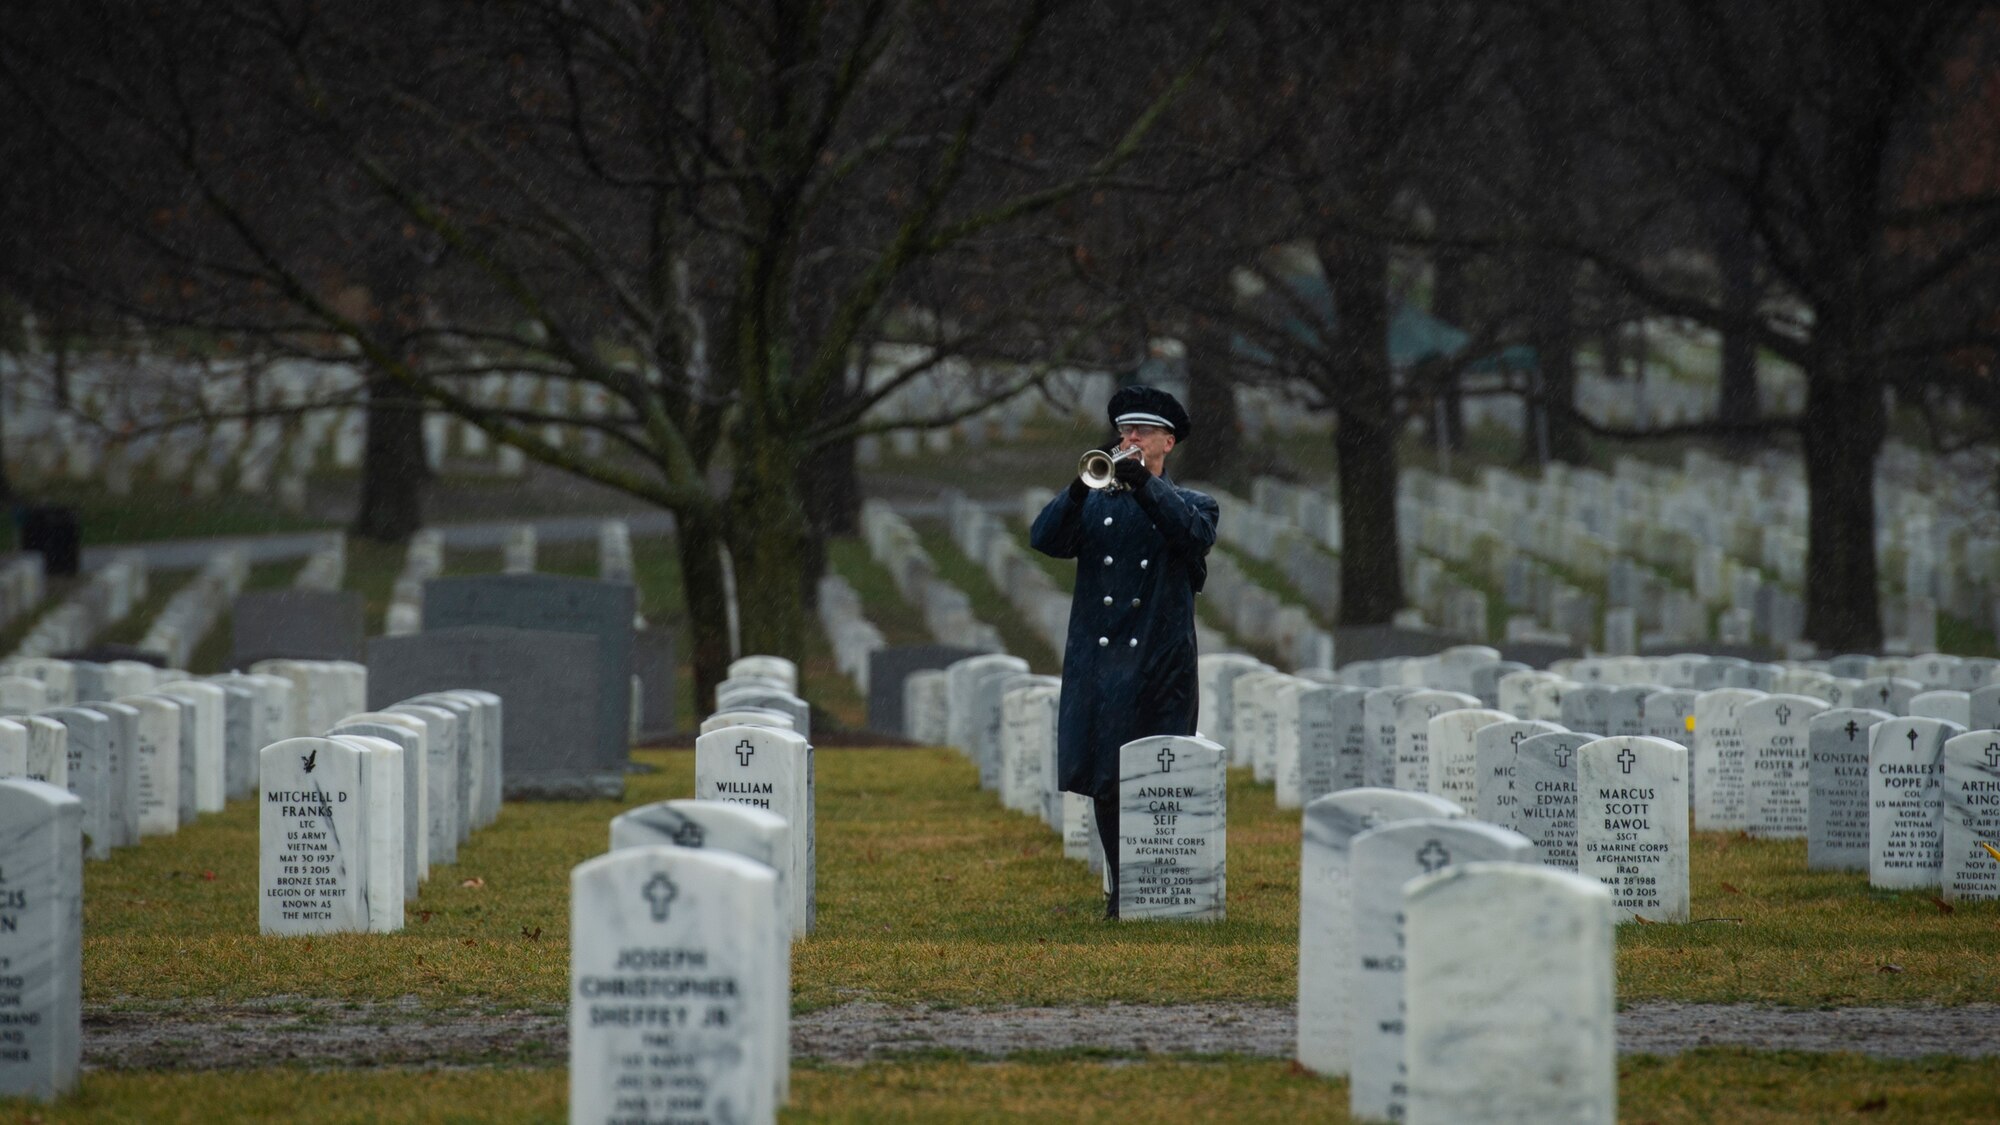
x,y
930,893
212,654
1762,1088
371,572
156,511
987,603
881,602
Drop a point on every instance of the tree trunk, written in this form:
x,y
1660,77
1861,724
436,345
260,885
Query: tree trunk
x,y
1844,427
831,490
1737,401
393,470
769,542
1365,431
1215,451
1555,351
698,541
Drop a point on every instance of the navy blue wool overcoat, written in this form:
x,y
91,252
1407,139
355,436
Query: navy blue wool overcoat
x,y
1128,667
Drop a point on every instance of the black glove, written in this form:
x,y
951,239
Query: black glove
x,y
1078,490
1131,472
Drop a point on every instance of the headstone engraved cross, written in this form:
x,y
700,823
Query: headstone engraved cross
x,y
1632,824
660,892
1971,816
1905,826
1172,829
743,752
1837,803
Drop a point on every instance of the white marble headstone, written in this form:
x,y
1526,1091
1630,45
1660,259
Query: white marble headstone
x,y
211,742
1454,755
90,776
1511,993
1414,713
1906,803
1717,752
1383,860
770,769
1837,804
1545,793
157,763
1971,815
384,827
1951,706
673,962
1632,824
41,939
1777,764
1333,734
313,822
1379,712
1493,750
410,736
443,802
1670,715
1173,804
1326,911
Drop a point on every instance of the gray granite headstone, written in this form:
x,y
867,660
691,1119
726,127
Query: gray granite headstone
x,y
1906,802
553,604
1173,803
296,625
1777,764
654,661
1530,1036
1382,861
1326,911
889,667
673,963
1545,788
41,939
1632,824
1493,750
1971,815
1837,807
553,746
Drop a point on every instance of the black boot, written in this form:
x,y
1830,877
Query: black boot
x,y
1111,905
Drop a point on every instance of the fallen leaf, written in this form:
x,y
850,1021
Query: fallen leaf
x,y
420,958
1298,1070
1943,906
208,876
1876,1104
475,883
469,941
532,935
1643,921
1731,888
423,915
1888,968
1990,849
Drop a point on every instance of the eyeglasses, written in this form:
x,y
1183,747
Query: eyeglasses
x,y
1138,430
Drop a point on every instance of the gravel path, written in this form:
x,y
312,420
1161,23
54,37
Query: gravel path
x,y
318,1033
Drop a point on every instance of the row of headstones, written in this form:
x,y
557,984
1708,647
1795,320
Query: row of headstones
x,y
854,639
423,560
680,960
107,598
997,549
23,584
946,609
350,821
1445,971
194,609
1904,798
147,750
1255,614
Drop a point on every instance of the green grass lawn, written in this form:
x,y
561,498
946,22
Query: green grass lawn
x,y
162,511
931,893
1760,1088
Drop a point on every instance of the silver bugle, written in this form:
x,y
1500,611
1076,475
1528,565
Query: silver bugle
x,y
1097,468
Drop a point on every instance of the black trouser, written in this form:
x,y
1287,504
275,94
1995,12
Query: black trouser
x,y
1107,834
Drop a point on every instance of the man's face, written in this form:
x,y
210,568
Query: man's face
x,y
1155,441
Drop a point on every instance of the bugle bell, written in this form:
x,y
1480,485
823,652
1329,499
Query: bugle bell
x,y
1097,469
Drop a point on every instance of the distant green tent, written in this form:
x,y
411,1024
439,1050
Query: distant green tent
x,y
1415,336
